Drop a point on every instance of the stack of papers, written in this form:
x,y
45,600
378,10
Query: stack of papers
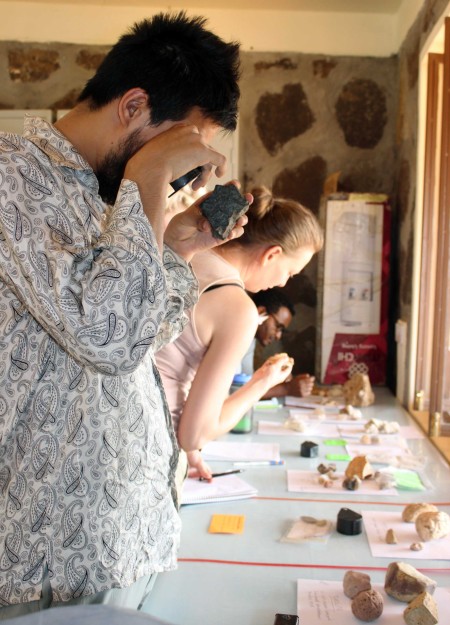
x,y
225,488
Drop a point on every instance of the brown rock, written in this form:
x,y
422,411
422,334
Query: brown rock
x,y
360,467
421,611
432,525
355,582
405,583
391,538
412,511
368,605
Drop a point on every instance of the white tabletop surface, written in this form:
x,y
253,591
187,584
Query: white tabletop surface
x,y
245,579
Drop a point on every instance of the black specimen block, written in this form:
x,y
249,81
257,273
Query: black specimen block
x,y
223,208
349,522
308,449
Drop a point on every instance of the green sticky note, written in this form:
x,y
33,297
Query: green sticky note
x,y
408,480
335,442
338,457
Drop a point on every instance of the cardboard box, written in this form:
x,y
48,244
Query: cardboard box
x,y
353,288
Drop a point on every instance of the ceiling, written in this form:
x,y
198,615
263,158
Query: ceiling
x,y
346,6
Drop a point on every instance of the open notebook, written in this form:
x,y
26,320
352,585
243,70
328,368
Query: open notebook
x,y
226,488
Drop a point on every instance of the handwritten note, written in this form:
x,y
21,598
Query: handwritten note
x,y
227,524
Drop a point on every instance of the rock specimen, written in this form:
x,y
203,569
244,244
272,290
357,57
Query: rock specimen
x,y
432,525
416,546
405,583
355,582
351,483
368,605
223,208
358,391
412,511
421,611
308,449
382,427
360,467
349,411
295,423
391,538
349,522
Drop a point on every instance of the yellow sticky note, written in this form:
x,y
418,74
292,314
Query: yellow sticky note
x,y
227,524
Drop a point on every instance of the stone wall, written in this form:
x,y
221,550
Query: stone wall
x,y
305,118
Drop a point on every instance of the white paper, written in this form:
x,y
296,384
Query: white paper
x,y
232,452
328,417
356,430
381,453
314,401
224,488
323,602
314,428
307,482
377,524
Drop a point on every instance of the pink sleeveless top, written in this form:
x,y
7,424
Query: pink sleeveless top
x,y
178,361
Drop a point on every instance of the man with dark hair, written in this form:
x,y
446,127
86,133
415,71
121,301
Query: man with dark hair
x,y
275,313
90,287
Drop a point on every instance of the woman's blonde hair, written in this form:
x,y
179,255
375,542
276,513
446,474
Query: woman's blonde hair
x,y
279,221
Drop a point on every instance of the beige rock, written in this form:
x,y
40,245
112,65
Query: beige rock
x,y
368,605
421,611
360,467
391,538
432,525
416,546
355,582
412,511
358,391
405,583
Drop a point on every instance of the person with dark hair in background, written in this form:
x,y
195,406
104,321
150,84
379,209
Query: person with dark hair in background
x,y
275,312
90,287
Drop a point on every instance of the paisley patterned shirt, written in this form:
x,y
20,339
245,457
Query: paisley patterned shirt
x,y
87,450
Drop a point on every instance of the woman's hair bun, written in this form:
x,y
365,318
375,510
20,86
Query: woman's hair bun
x,y
263,201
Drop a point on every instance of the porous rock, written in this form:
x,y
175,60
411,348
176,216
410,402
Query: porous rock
x,y
368,605
358,391
412,511
432,525
405,583
355,582
421,611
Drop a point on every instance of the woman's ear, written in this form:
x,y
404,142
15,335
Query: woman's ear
x,y
134,107
271,253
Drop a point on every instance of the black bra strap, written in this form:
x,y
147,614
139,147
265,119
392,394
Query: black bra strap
x,y
217,286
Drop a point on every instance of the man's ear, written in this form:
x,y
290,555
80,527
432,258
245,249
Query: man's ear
x,y
134,107
262,310
271,253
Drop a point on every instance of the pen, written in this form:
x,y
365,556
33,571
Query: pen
x,y
230,472
260,463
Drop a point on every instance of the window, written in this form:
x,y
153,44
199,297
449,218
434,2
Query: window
x,y
432,374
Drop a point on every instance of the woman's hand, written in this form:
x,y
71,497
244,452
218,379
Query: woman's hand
x,y
189,232
197,466
275,370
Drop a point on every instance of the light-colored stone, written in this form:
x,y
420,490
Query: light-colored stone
x,y
358,390
416,546
412,511
405,583
421,611
432,525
